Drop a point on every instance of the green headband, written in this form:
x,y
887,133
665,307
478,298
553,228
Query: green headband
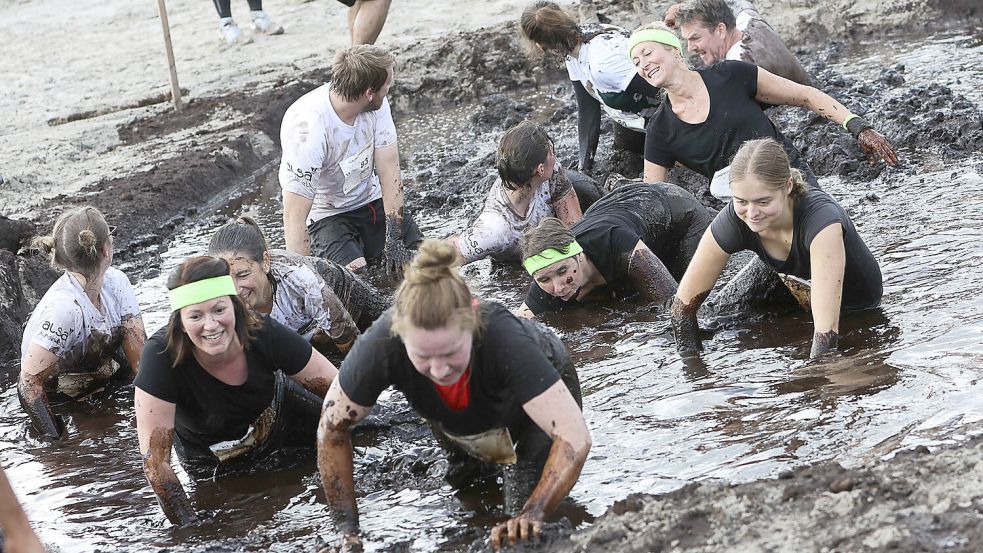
x,y
653,35
201,290
550,256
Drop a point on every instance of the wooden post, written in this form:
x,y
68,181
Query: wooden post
x,y
165,26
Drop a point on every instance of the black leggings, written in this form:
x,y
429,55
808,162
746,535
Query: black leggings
x,y
224,7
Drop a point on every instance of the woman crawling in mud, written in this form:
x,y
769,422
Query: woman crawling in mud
x,y
86,328
603,77
530,187
637,239
797,231
282,285
230,389
708,113
496,387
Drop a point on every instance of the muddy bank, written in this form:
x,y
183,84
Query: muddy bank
x,y
918,501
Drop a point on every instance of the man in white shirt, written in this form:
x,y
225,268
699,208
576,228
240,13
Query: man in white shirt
x,y
340,177
719,30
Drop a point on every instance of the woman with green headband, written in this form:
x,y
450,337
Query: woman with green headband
x,y
637,239
228,388
710,112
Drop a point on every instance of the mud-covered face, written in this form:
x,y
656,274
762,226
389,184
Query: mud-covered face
x,y
211,325
441,354
563,279
252,284
654,61
709,44
759,206
377,97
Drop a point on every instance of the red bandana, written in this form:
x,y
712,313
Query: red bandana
x,y
457,396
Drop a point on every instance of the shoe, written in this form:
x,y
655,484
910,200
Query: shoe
x,y
263,24
231,33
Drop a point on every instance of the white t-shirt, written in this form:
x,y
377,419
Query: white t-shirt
x,y
298,302
67,324
328,161
498,229
737,51
603,66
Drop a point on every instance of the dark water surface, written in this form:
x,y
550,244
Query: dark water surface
x,y
752,407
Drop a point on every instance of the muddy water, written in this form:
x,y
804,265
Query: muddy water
x,y
750,408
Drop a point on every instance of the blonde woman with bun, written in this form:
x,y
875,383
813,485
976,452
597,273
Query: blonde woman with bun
x,y
494,388
85,327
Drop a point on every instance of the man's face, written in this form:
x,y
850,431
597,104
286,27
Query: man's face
x,y
375,101
708,43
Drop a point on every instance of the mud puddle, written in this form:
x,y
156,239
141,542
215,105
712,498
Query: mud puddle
x,y
753,406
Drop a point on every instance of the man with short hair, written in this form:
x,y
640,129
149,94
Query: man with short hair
x,y
734,30
342,190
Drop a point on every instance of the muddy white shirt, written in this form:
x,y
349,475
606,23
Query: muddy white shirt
x,y
67,324
605,70
744,12
498,229
329,161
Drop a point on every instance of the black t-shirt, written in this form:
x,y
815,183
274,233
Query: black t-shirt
x,y
813,212
735,117
209,411
659,214
510,365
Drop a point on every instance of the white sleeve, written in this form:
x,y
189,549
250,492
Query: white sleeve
x,y
573,68
385,127
302,137
59,327
488,235
611,68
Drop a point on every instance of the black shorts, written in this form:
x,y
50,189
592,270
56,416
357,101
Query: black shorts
x,y
361,232
348,3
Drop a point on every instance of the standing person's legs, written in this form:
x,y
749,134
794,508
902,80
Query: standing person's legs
x,y
336,238
223,7
261,20
365,20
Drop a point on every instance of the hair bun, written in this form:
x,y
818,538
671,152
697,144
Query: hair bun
x,y
87,239
434,262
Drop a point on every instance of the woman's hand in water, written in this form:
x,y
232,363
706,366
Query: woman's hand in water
x,y
523,526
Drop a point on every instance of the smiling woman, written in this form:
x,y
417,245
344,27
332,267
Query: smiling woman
x,y
227,387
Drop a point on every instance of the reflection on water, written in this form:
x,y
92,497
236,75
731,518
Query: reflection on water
x,y
750,407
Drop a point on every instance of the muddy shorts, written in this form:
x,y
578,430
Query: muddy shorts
x,y
286,433
361,232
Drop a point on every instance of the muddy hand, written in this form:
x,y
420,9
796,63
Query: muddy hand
x,y
876,146
523,526
671,13
394,253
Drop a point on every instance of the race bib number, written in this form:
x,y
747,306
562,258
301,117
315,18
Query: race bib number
x,y
357,168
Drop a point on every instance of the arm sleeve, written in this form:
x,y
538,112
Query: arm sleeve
x,y
727,230
59,327
304,150
157,376
819,218
385,127
521,362
740,74
486,236
289,350
364,373
656,149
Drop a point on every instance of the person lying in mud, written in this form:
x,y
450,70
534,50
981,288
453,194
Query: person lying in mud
x,y
230,389
718,30
801,233
87,328
603,77
708,113
339,172
637,239
494,387
282,285
531,186
16,534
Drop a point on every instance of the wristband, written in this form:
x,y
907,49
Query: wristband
x,y
856,125
849,117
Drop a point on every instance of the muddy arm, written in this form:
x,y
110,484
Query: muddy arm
x,y
567,208
317,375
38,366
155,431
394,253
649,276
343,328
703,271
654,172
335,459
296,208
18,534
828,258
134,336
556,413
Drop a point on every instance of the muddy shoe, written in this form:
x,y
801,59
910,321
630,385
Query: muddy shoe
x,y
263,24
231,33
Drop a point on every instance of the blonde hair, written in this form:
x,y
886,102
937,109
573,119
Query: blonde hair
x,y
766,160
433,295
358,68
77,241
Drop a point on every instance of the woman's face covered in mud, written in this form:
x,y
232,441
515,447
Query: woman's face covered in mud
x,y
252,284
563,279
210,325
759,206
441,354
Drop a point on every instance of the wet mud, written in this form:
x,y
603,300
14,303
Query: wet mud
x,y
227,140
